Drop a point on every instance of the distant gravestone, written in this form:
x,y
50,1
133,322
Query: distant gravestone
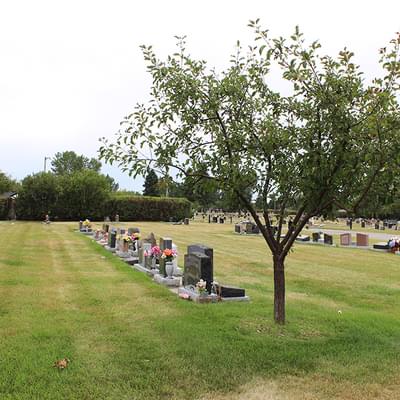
x,y
315,236
328,239
237,228
345,239
362,239
362,224
133,230
165,243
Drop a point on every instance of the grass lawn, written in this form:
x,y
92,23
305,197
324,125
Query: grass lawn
x,y
62,295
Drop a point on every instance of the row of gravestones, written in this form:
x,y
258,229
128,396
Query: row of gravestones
x,y
198,264
362,240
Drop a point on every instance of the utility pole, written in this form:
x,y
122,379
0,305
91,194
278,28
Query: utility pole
x,y
45,162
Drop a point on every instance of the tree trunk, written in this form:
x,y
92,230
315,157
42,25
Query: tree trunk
x,y
279,291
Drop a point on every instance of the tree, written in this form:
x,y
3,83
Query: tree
x,y
322,145
7,184
151,184
69,162
83,194
38,195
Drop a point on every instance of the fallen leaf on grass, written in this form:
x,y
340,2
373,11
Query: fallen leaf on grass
x,y
61,364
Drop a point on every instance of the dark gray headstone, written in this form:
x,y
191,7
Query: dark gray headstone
x,y
328,239
113,239
197,266
131,231
237,228
229,291
165,243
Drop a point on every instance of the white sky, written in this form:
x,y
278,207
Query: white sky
x,y
71,70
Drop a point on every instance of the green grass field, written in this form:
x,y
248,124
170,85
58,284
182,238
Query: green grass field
x,y
62,295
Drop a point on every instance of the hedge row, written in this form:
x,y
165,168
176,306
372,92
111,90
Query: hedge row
x,y
143,208
129,208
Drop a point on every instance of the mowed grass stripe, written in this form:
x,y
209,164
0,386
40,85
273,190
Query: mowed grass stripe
x,y
63,295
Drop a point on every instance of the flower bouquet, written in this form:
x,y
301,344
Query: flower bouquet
x,y
201,288
168,255
155,253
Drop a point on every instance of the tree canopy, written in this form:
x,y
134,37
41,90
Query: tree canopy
x,y
325,144
150,186
69,162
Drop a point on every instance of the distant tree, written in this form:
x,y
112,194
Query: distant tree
x,y
323,144
7,184
69,162
38,195
83,194
151,187
114,186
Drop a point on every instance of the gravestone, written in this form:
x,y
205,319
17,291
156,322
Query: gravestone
x,y
186,221
377,226
362,239
112,238
315,236
237,228
362,224
143,260
177,270
151,239
230,291
165,243
328,239
209,218
215,219
345,239
205,266
117,218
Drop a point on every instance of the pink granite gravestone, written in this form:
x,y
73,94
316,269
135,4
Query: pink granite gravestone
x,y
345,239
362,239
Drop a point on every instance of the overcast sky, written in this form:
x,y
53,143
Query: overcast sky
x,y
71,70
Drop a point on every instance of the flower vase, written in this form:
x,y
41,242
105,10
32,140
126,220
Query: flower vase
x,y
125,247
169,269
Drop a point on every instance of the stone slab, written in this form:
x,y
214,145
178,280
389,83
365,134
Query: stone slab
x,y
167,281
131,260
211,298
112,249
140,268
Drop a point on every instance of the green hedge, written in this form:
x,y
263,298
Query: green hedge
x,y
143,208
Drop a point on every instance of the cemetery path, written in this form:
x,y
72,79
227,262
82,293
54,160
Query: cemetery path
x,y
374,235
